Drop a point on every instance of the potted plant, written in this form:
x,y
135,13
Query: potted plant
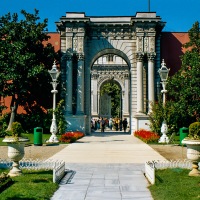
x,y
193,147
15,147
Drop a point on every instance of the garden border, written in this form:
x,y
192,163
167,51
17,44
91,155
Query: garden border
x,y
151,166
57,166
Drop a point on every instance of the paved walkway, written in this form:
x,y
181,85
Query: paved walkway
x,y
105,166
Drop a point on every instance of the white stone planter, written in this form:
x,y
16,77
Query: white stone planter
x,y
193,154
15,153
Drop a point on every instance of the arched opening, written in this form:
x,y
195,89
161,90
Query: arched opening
x,y
111,99
110,87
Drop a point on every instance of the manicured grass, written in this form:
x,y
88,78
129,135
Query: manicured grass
x,y
175,184
30,136
31,185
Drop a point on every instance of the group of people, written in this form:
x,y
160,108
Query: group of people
x,y
116,124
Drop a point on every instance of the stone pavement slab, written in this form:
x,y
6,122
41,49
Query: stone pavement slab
x,y
103,181
108,166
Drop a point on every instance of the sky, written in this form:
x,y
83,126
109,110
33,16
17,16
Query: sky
x,y
179,15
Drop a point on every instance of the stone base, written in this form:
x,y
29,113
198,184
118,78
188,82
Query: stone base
x,y
15,171
141,121
194,171
163,139
76,123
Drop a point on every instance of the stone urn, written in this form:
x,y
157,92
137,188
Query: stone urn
x,y
193,154
15,153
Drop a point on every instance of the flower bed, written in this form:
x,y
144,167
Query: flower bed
x,y
146,136
70,137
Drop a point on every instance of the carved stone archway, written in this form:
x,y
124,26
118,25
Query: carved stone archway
x,y
106,68
84,39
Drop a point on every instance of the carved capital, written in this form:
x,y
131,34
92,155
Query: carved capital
x,y
151,56
80,56
94,76
68,56
140,56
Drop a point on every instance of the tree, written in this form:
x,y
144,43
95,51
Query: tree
x,y
24,60
184,86
183,105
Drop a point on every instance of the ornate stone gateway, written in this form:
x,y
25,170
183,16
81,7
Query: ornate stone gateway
x,y
97,49
107,68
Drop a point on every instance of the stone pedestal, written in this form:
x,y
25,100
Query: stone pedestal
x,y
76,123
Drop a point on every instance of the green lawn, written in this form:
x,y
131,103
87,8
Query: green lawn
x,y
30,136
175,184
31,185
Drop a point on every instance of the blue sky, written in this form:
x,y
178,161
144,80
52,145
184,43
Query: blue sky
x,y
180,15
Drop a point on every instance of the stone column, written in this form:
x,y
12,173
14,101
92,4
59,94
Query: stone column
x,y
94,93
126,96
68,99
151,84
98,102
80,85
140,96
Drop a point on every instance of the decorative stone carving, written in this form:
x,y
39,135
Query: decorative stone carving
x,y
152,30
80,56
68,56
80,44
152,44
140,44
94,75
113,33
68,29
151,56
146,44
140,56
139,29
75,44
69,43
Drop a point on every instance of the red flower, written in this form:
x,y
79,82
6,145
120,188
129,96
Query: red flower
x,y
146,136
70,137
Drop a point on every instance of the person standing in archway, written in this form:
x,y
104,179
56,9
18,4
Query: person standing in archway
x,y
110,123
125,123
103,123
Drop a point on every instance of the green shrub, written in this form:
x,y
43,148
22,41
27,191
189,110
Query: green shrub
x,y
3,124
16,129
60,117
194,131
159,113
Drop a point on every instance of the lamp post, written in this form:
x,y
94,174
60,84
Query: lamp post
x,y
54,73
163,72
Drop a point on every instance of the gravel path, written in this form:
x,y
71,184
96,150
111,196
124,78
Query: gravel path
x,y
171,152
35,152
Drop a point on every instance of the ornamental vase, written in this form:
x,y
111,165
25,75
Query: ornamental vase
x,y
193,154
15,153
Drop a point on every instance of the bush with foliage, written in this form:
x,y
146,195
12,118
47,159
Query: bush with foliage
x,y
39,118
194,131
70,137
3,124
24,59
183,105
16,130
60,117
184,86
159,113
147,136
